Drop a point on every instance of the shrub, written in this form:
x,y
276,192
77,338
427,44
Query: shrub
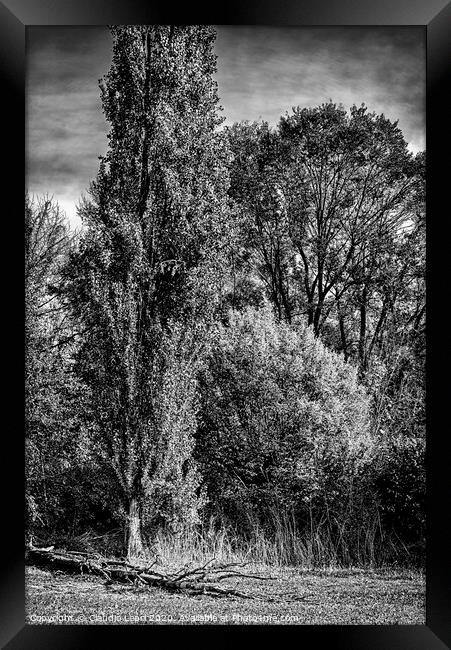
x,y
283,422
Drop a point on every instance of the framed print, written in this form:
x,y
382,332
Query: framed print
x,y
233,409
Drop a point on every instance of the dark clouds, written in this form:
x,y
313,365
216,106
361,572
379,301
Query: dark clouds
x,y
66,130
262,73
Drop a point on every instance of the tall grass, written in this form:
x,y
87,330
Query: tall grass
x,y
281,541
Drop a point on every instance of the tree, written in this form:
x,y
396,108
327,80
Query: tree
x,y
332,220
256,179
51,422
357,178
150,260
322,199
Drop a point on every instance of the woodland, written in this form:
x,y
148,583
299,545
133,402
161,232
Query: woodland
x,y
227,360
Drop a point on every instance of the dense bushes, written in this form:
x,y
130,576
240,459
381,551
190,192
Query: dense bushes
x,y
400,488
284,425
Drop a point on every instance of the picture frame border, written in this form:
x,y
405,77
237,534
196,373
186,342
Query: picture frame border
x,y
435,17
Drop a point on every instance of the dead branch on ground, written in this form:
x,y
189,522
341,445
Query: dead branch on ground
x,y
200,580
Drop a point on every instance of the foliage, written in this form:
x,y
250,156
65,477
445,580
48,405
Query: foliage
x,y
150,259
171,487
52,433
236,339
283,419
326,200
401,490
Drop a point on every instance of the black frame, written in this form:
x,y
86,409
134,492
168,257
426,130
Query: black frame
x,y
435,17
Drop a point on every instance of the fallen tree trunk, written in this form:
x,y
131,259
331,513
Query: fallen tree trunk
x,y
198,580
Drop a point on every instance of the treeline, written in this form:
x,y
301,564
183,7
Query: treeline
x,y
234,343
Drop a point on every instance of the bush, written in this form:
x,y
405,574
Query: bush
x,y
401,490
283,423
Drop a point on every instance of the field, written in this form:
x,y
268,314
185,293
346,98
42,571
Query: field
x,y
296,596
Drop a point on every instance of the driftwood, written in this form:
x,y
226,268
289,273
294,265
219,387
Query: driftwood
x,y
193,581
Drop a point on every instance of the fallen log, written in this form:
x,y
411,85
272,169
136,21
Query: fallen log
x,y
193,581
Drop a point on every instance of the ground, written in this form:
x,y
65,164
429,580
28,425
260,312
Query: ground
x,y
326,597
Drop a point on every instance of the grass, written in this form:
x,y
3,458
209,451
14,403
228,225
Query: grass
x,y
332,596
349,588
356,539
323,543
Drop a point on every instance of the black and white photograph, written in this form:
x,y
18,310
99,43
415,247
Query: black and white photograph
x,y
225,325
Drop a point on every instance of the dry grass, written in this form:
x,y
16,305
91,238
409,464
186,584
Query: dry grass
x,y
326,597
317,545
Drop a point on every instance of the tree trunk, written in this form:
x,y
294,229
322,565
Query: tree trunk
x,y
362,336
377,330
344,342
317,317
135,545
310,312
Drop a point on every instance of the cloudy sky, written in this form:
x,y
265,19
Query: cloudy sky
x,y
262,73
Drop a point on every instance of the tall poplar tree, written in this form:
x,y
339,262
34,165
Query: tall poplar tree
x,y
144,279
